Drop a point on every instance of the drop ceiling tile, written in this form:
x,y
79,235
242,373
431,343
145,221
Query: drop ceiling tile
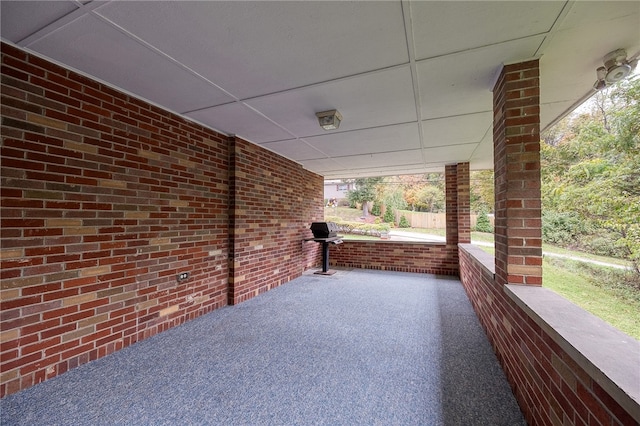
x,y
370,100
294,149
383,139
449,154
569,69
482,157
96,48
549,112
452,26
240,120
462,83
323,165
255,48
594,14
456,130
385,159
20,19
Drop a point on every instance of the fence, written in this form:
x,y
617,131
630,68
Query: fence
x,y
432,220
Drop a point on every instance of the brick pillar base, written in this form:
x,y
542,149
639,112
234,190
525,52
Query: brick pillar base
x,y
516,139
451,202
458,202
464,203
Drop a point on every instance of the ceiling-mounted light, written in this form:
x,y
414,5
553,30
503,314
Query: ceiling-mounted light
x,y
616,68
329,120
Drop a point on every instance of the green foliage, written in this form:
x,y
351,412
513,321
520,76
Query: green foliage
x,y
389,216
404,223
562,229
376,210
591,178
482,191
393,197
365,191
482,223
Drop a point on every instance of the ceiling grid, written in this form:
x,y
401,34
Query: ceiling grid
x,y
412,79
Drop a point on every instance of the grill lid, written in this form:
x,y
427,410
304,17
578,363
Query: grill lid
x,y
324,229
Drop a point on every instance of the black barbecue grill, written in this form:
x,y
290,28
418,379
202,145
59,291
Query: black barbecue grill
x,y
325,233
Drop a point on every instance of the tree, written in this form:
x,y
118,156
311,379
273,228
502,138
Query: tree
x,y
482,191
591,179
364,193
482,223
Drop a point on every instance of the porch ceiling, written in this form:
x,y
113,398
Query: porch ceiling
x,y
412,80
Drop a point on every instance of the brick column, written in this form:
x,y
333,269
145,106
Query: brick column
x,y
516,141
451,202
464,203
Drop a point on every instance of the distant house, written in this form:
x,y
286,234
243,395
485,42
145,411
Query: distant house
x,y
337,189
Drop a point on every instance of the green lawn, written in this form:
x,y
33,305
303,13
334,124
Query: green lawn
x,y
619,307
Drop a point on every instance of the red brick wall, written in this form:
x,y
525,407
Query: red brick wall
x,y
425,258
549,385
516,135
273,204
105,199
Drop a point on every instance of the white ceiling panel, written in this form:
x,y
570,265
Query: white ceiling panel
x,y
254,48
242,121
21,19
370,100
593,14
298,150
461,84
551,111
384,139
412,79
449,154
571,69
444,27
456,130
377,160
482,156
324,165
96,48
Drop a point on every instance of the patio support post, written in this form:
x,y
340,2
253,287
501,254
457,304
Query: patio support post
x,y
458,203
464,203
451,202
516,141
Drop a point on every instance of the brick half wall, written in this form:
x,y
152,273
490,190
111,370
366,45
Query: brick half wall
x,y
549,384
427,258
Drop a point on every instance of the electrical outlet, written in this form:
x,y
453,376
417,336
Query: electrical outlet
x,y
183,276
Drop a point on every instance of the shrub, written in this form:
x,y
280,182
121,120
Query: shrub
x,y
389,217
376,210
482,223
404,223
603,244
347,227
562,229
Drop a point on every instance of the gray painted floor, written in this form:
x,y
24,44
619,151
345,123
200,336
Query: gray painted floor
x,y
359,347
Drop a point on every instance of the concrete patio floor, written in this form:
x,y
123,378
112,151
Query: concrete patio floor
x,y
358,347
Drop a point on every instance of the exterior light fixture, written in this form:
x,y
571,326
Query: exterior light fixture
x,y
616,68
329,120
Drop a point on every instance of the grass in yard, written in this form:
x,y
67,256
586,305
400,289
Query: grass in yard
x,y
548,248
346,213
598,290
